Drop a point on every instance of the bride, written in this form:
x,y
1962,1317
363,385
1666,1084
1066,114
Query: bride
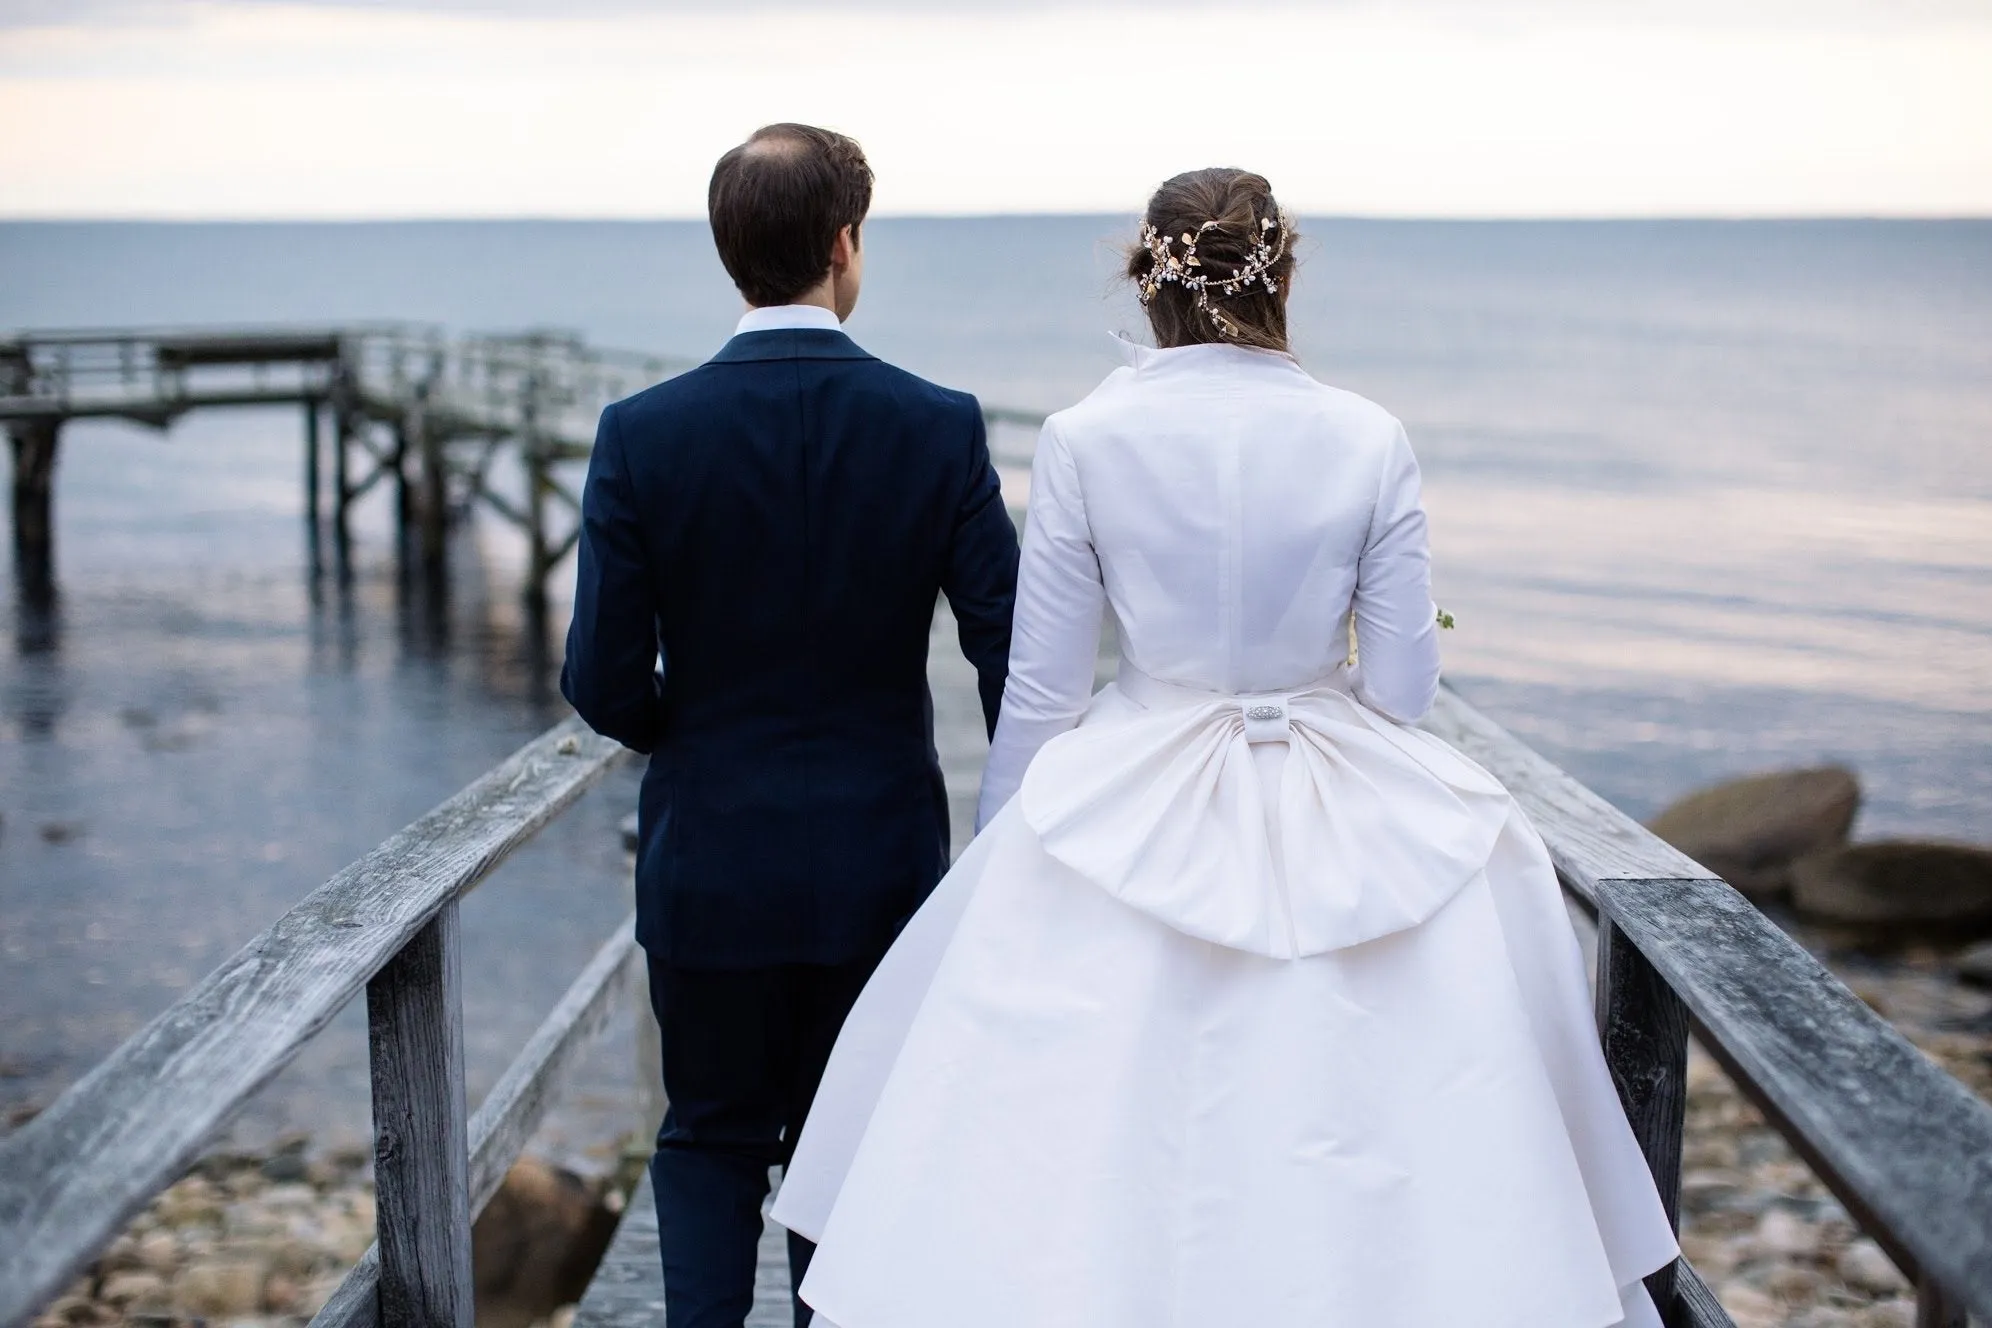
x,y
1250,1004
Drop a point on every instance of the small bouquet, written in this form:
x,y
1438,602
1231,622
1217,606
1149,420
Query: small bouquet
x,y
1444,620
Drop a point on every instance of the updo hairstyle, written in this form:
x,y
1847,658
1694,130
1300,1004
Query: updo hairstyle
x,y
1225,220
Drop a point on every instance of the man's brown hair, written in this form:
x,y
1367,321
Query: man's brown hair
x,y
777,202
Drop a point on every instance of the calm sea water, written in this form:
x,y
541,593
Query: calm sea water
x,y
1706,497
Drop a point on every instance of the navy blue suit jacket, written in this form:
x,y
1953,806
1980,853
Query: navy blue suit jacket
x,y
778,524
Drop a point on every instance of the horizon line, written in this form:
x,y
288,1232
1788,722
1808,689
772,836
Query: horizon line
x,y
606,219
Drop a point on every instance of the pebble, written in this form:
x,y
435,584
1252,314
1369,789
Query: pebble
x,y
1863,1265
228,1287
159,1251
1750,1307
1782,1234
133,1288
235,1246
263,1242
1975,965
1775,1247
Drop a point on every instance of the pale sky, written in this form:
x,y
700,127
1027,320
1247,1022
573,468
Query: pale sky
x,y
617,108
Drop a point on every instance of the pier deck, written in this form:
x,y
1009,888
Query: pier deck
x,y
628,1290
408,407
1906,1149
403,407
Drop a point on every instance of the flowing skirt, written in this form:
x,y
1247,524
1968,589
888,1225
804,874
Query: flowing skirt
x,y
1051,1109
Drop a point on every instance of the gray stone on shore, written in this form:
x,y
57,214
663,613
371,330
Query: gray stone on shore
x,y
1897,889
1749,831
1975,965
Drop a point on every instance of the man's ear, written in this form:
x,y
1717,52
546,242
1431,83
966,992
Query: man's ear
x,y
842,248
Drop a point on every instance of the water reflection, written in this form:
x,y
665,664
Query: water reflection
x,y
214,726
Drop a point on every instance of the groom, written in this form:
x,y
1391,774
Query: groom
x,y
763,541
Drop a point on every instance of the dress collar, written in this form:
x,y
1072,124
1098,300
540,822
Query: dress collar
x,y
1148,358
785,317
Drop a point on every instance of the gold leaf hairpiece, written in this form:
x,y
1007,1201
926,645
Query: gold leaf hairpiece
x,y
1268,248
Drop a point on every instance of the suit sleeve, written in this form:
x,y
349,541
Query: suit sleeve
x,y
980,577
1397,637
1060,603
610,674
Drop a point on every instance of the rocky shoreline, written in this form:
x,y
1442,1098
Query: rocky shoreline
x,y
261,1242
241,1240
1777,1249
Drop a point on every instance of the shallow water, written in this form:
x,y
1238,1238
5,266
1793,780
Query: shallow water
x,y
1706,498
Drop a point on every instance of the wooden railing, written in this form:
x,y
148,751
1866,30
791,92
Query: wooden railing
x,y
73,1176
1907,1149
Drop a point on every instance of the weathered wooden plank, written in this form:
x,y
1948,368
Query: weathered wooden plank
x,y
628,1288
1644,1030
1937,1308
421,1143
356,1301
512,1111
1906,1147
222,348
70,1178
1695,1306
515,1106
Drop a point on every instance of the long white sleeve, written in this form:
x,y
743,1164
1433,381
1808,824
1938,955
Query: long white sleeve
x,y
1055,635
1396,633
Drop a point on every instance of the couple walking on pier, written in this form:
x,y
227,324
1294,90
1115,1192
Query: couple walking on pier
x,y
1249,1003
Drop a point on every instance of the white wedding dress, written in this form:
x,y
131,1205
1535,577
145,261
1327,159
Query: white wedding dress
x,y
1251,1005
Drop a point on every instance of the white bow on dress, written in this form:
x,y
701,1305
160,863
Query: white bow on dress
x,y
1377,824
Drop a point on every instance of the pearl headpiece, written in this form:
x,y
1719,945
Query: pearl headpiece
x,y
1269,246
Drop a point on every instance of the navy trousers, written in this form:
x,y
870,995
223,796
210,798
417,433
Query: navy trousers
x,y
744,1050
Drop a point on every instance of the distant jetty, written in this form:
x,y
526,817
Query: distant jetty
x,y
408,407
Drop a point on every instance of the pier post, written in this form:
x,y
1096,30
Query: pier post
x,y
532,452
536,482
345,419
404,491
421,1131
1643,1027
1937,1308
311,473
433,504
34,444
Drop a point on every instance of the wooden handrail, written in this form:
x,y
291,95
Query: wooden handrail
x,y
1905,1147
513,1108
71,1178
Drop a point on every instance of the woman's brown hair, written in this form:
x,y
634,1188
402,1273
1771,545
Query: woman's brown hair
x,y
1225,211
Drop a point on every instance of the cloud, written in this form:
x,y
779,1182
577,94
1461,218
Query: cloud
x,y
1803,15
238,109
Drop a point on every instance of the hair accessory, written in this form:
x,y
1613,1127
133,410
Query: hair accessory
x,y
1267,249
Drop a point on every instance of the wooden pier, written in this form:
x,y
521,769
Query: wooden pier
x,y
403,407
1905,1148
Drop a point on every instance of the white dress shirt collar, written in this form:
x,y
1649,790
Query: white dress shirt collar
x,y
780,317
